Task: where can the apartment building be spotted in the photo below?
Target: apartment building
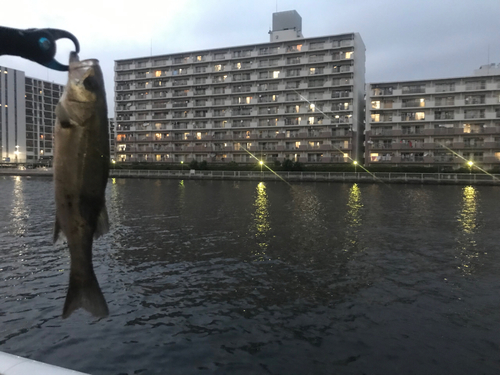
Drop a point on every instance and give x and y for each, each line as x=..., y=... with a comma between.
x=41, y=100
x=26, y=116
x=292, y=98
x=112, y=138
x=439, y=122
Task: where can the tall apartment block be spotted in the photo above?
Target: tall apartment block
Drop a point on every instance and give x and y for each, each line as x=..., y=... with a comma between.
x=292, y=98
x=26, y=116
x=440, y=122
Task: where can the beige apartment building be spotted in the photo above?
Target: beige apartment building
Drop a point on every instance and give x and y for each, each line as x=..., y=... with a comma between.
x=445, y=122
x=292, y=98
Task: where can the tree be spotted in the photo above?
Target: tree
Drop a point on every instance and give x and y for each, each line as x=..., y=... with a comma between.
x=287, y=165
x=193, y=164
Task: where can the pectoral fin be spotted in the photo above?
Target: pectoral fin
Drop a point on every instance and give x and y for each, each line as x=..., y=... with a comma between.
x=102, y=223
x=59, y=236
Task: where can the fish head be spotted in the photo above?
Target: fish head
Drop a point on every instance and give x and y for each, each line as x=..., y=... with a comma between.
x=84, y=80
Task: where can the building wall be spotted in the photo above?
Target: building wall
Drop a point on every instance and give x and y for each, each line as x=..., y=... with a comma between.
x=442, y=122
x=27, y=116
x=298, y=99
x=41, y=100
x=13, y=127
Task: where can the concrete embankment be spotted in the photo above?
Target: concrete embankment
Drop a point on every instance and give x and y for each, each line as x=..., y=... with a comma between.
x=362, y=177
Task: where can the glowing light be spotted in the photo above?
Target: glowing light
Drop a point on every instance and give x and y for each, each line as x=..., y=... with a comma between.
x=470, y=163
x=355, y=162
x=261, y=162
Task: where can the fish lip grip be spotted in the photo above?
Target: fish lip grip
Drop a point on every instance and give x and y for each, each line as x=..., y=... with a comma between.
x=38, y=45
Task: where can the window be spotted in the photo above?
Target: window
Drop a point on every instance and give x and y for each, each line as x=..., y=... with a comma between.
x=316, y=45
x=294, y=48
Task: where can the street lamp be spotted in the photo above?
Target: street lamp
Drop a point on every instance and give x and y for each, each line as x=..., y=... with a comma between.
x=261, y=162
x=182, y=164
x=470, y=163
x=355, y=165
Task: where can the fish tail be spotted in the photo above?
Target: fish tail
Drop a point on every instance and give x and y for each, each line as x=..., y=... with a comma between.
x=85, y=294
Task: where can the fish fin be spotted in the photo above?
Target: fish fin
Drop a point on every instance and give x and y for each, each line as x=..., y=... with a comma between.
x=102, y=223
x=87, y=295
x=59, y=236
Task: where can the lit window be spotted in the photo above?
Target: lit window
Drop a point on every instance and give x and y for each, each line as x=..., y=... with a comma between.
x=276, y=74
x=346, y=155
x=420, y=116
x=348, y=55
x=375, y=117
x=158, y=73
x=238, y=66
x=374, y=156
x=376, y=105
x=218, y=67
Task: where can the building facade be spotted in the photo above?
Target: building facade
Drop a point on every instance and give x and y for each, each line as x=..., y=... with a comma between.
x=12, y=115
x=41, y=100
x=439, y=122
x=293, y=98
x=27, y=116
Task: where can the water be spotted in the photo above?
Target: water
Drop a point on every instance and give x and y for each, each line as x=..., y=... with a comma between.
x=217, y=277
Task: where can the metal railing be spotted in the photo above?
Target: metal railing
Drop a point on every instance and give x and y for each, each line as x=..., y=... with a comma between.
x=388, y=177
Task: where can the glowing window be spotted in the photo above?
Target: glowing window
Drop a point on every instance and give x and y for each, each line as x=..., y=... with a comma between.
x=374, y=156
x=348, y=55
x=420, y=116
x=276, y=74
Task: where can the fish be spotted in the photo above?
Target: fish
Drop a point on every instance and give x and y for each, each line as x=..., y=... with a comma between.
x=81, y=170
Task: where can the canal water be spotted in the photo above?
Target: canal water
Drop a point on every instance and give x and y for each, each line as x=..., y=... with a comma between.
x=232, y=277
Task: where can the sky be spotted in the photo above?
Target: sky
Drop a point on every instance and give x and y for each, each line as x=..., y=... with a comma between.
x=404, y=39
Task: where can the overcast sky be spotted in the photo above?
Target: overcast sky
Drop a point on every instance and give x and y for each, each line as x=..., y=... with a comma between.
x=405, y=39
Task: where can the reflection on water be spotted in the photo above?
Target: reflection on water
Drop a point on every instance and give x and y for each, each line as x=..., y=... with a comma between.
x=19, y=213
x=352, y=283
x=467, y=217
x=469, y=210
x=261, y=220
x=353, y=217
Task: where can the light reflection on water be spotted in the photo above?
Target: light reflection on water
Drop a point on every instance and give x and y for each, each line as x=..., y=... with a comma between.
x=353, y=217
x=261, y=221
x=467, y=217
x=349, y=279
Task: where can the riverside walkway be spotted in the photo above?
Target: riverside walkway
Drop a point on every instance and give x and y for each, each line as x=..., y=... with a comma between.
x=376, y=177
